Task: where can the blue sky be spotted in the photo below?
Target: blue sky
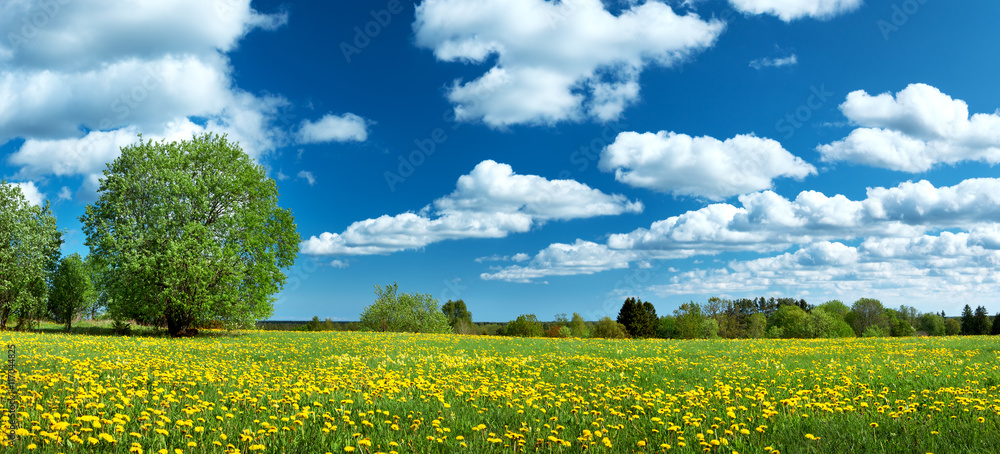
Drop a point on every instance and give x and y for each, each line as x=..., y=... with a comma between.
x=550, y=157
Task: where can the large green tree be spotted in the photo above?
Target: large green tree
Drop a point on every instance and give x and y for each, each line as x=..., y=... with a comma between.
x=72, y=291
x=868, y=315
x=29, y=252
x=403, y=312
x=189, y=232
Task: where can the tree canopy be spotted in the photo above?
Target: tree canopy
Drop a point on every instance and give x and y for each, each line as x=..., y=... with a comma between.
x=188, y=232
x=29, y=251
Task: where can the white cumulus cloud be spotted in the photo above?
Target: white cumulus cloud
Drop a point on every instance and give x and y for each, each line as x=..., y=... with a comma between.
x=80, y=79
x=490, y=202
x=333, y=128
x=789, y=10
x=920, y=270
x=706, y=167
x=581, y=257
x=913, y=131
x=887, y=220
x=555, y=61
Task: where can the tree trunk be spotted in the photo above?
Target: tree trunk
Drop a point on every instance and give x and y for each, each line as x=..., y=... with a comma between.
x=179, y=325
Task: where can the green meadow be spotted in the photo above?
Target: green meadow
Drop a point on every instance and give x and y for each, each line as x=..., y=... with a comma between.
x=304, y=392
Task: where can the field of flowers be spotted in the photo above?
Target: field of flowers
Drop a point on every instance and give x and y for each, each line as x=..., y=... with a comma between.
x=360, y=392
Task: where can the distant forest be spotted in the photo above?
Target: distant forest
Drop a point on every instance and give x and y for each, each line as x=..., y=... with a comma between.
x=777, y=318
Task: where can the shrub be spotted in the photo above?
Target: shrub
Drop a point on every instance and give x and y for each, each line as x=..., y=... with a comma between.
x=463, y=326
x=121, y=328
x=606, y=328
x=874, y=331
x=952, y=327
x=316, y=325
x=403, y=312
x=525, y=325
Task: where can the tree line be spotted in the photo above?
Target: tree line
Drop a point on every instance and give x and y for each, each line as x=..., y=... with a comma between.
x=777, y=318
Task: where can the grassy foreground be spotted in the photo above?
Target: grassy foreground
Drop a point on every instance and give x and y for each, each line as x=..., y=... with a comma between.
x=359, y=392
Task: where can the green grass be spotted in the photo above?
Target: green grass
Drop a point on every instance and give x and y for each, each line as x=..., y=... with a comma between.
x=333, y=391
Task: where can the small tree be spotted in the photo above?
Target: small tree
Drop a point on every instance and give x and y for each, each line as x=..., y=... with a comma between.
x=606, y=328
x=29, y=253
x=792, y=321
x=629, y=312
x=456, y=312
x=952, y=327
x=981, y=322
x=932, y=324
x=668, y=327
x=867, y=313
x=525, y=325
x=968, y=320
x=835, y=308
x=901, y=328
x=577, y=326
x=821, y=323
x=709, y=328
x=403, y=312
x=319, y=325
x=189, y=232
x=72, y=292
x=100, y=301
x=638, y=317
x=757, y=326
x=688, y=321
